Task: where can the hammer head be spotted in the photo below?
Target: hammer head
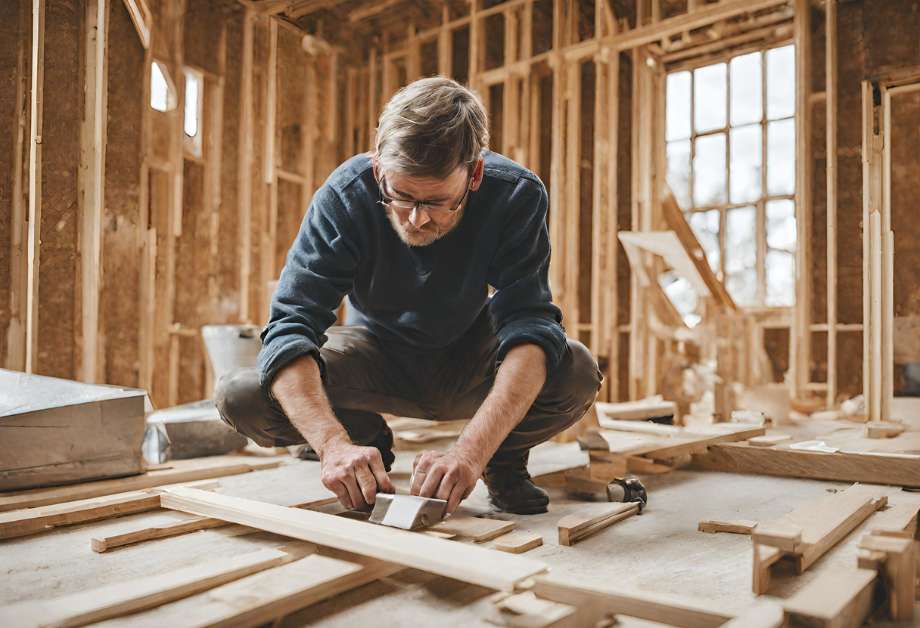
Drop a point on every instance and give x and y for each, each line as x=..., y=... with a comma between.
x=408, y=512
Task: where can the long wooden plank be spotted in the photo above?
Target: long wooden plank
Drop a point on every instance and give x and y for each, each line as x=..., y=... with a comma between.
x=78, y=609
x=840, y=466
x=179, y=471
x=574, y=527
x=269, y=595
x=468, y=563
x=640, y=604
x=18, y=523
x=105, y=543
x=680, y=444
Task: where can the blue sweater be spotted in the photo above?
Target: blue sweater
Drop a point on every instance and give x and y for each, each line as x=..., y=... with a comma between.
x=426, y=297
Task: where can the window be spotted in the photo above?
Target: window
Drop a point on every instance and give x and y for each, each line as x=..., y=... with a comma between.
x=193, y=108
x=162, y=90
x=730, y=132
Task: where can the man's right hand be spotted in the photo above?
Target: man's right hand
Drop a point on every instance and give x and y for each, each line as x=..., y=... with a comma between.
x=354, y=473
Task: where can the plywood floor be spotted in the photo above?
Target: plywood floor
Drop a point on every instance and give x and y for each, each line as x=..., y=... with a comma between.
x=659, y=551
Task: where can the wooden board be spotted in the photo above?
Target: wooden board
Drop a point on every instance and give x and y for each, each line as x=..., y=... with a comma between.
x=269, y=595
x=518, y=542
x=840, y=598
x=105, y=543
x=604, y=598
x=121, y=598
x=478, y=529
x=840, y=466
x=635, y=410
x=177, y=471
x=900, y=519
x=574, y=527
x=464, y=562
x=677, y=444
x=768, y=441
x=735, y=526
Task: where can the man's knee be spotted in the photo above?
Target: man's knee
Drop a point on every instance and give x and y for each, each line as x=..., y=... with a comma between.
x=576, y=382
x=239, y=399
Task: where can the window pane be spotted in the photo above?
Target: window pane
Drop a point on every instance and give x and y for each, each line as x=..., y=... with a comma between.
x=678, y=106
x=781, y=225
x=682, y=295
x=746, y=89
x=706, y=227
x=780, y=276
x=159, y=88
x=709, y=171
x=709, y=97
x=192, y=108
x=780, y=82
x=745, y=166
x=679, y=171
x=741, y=254
x=781, y=157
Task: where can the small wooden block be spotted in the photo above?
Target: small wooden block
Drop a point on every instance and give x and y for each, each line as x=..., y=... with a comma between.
x=476, y=528
x=883, y=429
x=577, y=526
x=518, y=542
x=784, y=537
x=738, y=526
x=839, y=598
x=768, y=441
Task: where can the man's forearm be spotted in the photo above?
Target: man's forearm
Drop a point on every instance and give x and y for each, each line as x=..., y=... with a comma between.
x=517, y=384
x=298, y=387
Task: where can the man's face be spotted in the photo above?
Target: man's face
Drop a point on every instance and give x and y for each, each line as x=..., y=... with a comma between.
x=423, y=208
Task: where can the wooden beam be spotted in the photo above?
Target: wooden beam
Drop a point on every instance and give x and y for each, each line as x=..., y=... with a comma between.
x=796, y=463
x=244, y=174
x=467, y=563
x=92, y=179
x=735, y=526
x=36, y=119
x=142, y=17
x=372, y=9
x=122, y=598
x=837, y=598
x=710, y=14
x=830, y=89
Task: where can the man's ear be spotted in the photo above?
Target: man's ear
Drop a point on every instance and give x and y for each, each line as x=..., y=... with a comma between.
x=374, y=166
x=476, y=181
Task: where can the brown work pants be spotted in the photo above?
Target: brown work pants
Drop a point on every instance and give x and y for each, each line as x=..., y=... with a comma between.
x=366, y=376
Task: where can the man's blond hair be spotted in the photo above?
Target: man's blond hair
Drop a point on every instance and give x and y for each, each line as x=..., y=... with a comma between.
x=430, y=127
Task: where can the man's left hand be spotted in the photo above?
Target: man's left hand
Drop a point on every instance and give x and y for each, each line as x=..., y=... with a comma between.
x=448, y=475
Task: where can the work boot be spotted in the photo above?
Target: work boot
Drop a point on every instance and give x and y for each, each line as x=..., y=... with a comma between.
x=512, y=490
x=383, y=441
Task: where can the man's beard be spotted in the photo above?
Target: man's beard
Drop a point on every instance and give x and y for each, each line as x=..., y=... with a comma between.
x=421, y=237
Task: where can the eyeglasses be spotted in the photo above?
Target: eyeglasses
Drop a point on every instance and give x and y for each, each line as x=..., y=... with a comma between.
x=405, y=205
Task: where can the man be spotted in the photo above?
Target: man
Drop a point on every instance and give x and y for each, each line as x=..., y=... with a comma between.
x=415, y=235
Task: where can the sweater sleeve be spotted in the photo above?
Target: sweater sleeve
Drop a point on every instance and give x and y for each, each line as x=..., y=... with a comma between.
x=522, y=307
x=319, y=271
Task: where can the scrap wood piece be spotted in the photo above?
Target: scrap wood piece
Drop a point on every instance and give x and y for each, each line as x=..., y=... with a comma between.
x=271, y=594
x=106, y=543
x=518, y=542
x=526, y=610
x=808, y=532
x=840, y=466
x=577, y=526
x=764, y=557
x=642, y=409
x=839, y=597
x=734, y=526
x=897, y=520
x=180, y=471
x=899, y=570
x=883, y=429
x=115, y=600
x=468, y=563
x=479, y=529
x=28, y=521
x=768, y=440
x=595, y=600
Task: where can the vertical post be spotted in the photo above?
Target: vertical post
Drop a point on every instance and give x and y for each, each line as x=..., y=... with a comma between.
x=244, y=194
x=557, y=209
x=35, y=182
x=830, y=91
x=801, y=357
x=92, y=178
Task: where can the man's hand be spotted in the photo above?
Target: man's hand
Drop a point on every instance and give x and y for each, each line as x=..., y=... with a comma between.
x=354, y=473
x=449, y=475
